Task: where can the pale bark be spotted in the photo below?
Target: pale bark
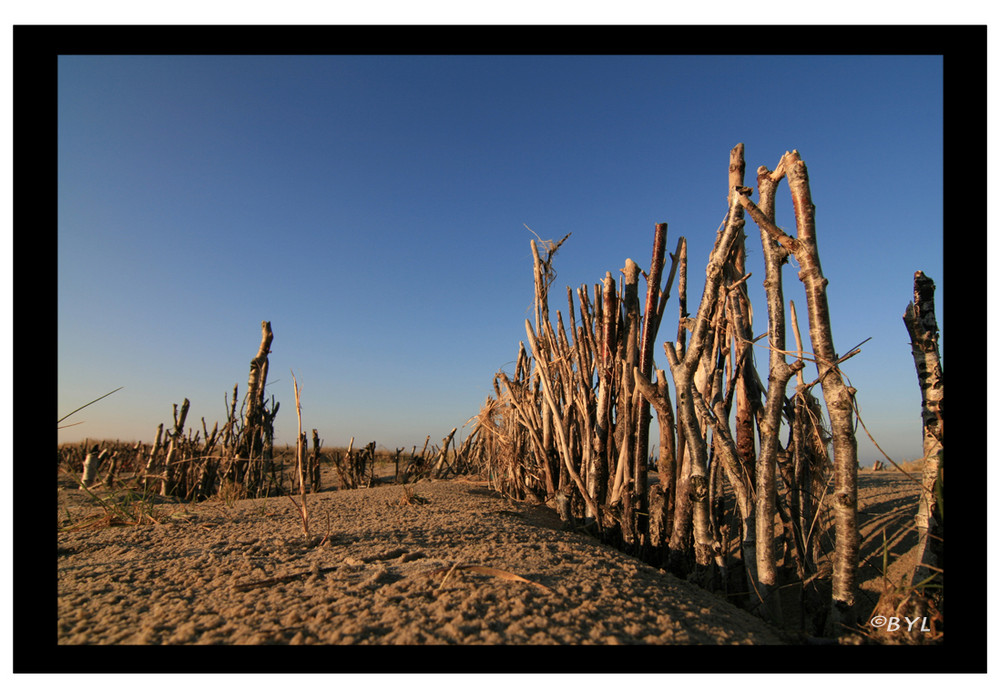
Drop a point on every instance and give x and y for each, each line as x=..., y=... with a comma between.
x=153, y=453
x=704, y=544
x=438, y=470
x=529, y=418
x=729, y=458
x=167, y=484
x=300, y=454
x=606, y=370
x=561, y=436
x=683, y=370
x=680, y=529
x=921, y=324
x=802, y=500
x=91, y=465
x=252, y=444
x=779, y=374
x=661, y=510
x=258, y=372
x=628, y=459
x=838, y=397
x=167, y=481
x=667, y=461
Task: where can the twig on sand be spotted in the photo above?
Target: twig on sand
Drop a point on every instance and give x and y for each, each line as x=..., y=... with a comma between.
x=486, y=570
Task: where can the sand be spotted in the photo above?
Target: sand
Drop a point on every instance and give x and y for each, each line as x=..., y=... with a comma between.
x=442, y=562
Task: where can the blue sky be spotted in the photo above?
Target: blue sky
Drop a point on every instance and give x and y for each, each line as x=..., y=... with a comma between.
x=374, y=209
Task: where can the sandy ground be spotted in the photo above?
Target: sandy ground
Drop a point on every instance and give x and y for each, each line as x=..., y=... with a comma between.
x=445, y=562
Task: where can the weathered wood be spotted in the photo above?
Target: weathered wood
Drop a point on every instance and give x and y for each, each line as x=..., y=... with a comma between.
x=154, y=452
x=438, y=470
x=252, y=444
x=646, y=347
x=683, y=370
x=921, y=324
x=91, y=465
x=300, y=457
x=837, y=395
x=168, y=484
x=547, y=392
x=747, y=395
x=779, y=373
x=314, y=472
x=600, y=464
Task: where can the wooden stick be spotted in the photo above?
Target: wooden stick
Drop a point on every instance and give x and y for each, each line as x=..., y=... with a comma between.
x=646, y=348
x=921, y=324
x=683, y=370
x=560, y=432
x=836, y=394
x=299, y=457
x=437, y=470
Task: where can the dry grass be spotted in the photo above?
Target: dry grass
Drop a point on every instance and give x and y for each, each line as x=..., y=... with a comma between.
x=120, y=508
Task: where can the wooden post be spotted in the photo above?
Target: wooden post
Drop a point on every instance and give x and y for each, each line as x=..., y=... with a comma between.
x=399, y=451
x=921, y=324
x=628, y=459
x=91, y=465
x=681, y=527
x=167, y=485
x=747, y=395
x=837, y=395
x=167, y=482
x=153, y=453
x=109, y=477
x=647, y=346
x=438, y=470
x=314, y=470
x=601, y=462
x=667, y=461
x=779, y=375
x=253, y=438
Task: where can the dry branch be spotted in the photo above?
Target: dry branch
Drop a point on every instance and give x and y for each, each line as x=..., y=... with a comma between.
x=838, y=397
x=560, y=429
x=921, y=324
x=647, y=345
x=571, y=424
x=300, y=452
x=683, y=369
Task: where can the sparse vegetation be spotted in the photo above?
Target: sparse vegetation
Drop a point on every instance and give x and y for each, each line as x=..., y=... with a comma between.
x=120, y=507
x=239, y=460
x=722, y=500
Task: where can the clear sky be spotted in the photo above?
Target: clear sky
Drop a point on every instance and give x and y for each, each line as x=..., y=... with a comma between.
x=374, y=209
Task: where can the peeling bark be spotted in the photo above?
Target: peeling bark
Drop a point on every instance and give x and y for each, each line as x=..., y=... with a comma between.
x=838, y=397
x=921, y=324
x=683, y=371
